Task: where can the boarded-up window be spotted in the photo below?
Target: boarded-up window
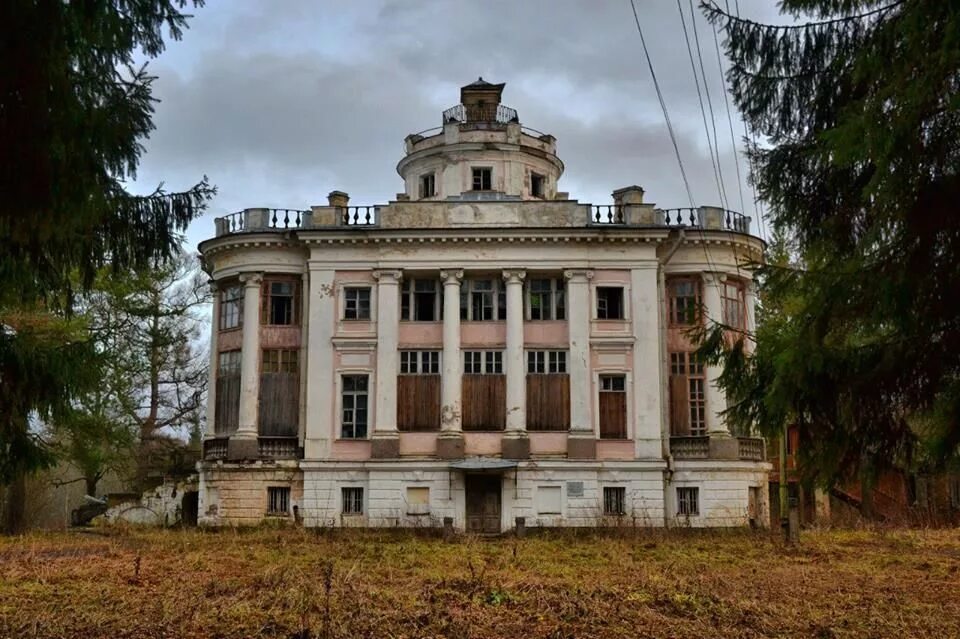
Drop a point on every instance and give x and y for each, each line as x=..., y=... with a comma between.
x=613, y=407
x=418, y=500
x=687, y=396
x=418, y=402
x=228, y=393
x=484, y=402
x=279, y=393
x=549, y=500
x=548, y=402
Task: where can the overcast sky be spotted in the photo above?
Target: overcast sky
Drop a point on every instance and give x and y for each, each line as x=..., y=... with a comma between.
x=281, y=102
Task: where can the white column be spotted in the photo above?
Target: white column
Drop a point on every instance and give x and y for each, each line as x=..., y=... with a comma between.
x=451, y=382
x=647, y=372
x=320, y=423
x=513, y=357
x=304, y=319
x=579, y=313
x=250, y=356
x=716, y=399
x=751, y=303
x=214, y=362
x=388, y=327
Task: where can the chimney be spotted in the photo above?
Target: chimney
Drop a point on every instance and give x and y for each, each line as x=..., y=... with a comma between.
x=338, y=199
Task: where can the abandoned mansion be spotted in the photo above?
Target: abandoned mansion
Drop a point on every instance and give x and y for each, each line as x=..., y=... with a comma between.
x=482, y=350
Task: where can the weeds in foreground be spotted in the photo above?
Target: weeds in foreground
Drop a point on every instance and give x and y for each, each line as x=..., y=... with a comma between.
x=296, y=583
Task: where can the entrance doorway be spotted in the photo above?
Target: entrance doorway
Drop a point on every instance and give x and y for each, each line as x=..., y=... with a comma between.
x=483, y=503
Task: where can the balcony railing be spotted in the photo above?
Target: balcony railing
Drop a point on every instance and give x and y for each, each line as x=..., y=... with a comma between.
x=690, y=447
x=494, y=113
x=279, y=447
x=748, y=448
x=752, y=448
x=359, y=215
x=215, y=449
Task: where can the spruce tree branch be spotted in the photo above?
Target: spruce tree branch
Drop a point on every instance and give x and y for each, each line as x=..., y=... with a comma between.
x=715, y=13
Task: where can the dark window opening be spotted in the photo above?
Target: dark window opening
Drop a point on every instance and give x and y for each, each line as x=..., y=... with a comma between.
x=353, y=421
x=614, y=500
x=356, y=303
x=428, y=185
x=352, y=501
x=421, y=301
x=688, y=501
x=482, y=179
x=278, y=500
x=684, y=306
x=609, y=302
x=536, y=185
x=279, y=305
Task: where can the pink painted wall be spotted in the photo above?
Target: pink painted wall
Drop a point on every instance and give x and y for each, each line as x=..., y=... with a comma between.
x=615, y=449
x=349, y=450
x=421, y=334
x=483, y=334
x=548, y=443
x=229, y=340
x=546, y=334
x=418, y=444
x=482, y=443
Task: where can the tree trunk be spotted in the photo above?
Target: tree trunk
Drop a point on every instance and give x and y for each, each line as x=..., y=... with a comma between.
x=15, y=521
x=91, y=483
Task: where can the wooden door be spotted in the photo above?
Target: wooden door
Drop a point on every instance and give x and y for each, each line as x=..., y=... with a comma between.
x=483, y=504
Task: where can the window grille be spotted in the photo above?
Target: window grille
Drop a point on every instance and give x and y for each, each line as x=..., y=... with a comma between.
x=614, y=500
x=278, y=500
x=688, y=501
x=352, y=500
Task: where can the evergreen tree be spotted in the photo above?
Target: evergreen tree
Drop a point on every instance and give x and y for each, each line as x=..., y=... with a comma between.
x=73, y=114
x=862, y=174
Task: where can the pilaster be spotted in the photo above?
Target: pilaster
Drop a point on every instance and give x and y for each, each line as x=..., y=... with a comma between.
x=450, y=440
x=214, y=369
x=319, y=422
x=385, y=441
x=516, y=444
x=581, y=443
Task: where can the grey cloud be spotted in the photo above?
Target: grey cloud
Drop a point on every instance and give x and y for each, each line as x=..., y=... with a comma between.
x=280, y=107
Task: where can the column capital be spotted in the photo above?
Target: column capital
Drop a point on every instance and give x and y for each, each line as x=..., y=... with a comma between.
x=251, y=280
x=388, y=276
x=713, y=277
x=451, y=276
x=579, y=275
x=214, y=286
x=514, y=275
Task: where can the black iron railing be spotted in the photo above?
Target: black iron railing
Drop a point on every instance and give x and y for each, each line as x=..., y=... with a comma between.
x=480, y=113
x=695, y=217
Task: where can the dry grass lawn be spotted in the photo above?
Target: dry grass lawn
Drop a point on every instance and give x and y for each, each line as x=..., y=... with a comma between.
x=295, y=583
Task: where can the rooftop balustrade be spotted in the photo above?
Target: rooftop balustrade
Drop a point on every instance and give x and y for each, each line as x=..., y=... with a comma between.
x=505, y=213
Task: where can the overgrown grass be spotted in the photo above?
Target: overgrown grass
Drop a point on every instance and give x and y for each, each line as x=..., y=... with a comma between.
x=297, y=583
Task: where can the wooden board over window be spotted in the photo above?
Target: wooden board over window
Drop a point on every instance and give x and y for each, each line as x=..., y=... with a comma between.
x=418, y=403
x=484, y=402
x=613, y=407
x=548, y=402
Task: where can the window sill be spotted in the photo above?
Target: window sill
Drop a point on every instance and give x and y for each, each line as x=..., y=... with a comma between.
x=280, y=325
x=355, y=319
x=277, y=515
x=230, y=330
x=352, y=439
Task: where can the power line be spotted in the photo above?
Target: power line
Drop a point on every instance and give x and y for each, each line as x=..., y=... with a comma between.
x=703, y=110
x=663, y=105
x=726, y=99
x=713, y=119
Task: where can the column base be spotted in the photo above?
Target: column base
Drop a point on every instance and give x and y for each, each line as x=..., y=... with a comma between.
x=242, y=448
x=515, y=445
x=385, y=446
x=581, y=446
x=450, y=445
x=724, y=446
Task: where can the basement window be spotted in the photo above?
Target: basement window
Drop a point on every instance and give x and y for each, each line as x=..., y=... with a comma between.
x=688, y=501
x=352, y=500
x=278, y=500
x=482, y=179
x=614, y=500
